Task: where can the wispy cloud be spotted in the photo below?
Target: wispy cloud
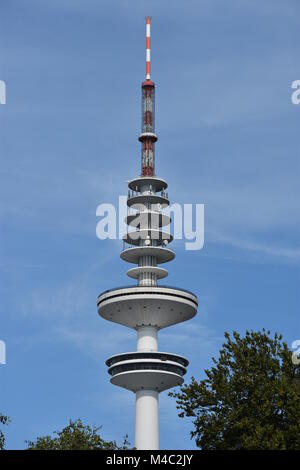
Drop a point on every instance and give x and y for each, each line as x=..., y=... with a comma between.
x=285, y=253
x=96, y=343
x=193, y=337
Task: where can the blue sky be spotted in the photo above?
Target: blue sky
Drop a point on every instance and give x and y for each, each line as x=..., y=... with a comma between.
x=228, y=138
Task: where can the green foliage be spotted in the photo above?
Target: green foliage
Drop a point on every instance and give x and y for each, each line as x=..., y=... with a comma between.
x=3, y=420
x=75, y=436
x=250, y=398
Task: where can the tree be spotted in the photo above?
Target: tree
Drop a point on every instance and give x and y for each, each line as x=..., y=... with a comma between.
x=250, y=398
x=75, y=436
x=3, y=420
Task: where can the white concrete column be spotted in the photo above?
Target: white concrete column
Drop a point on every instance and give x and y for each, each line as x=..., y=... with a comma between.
x=147, y=338
x=146, y=420
x=147, y=278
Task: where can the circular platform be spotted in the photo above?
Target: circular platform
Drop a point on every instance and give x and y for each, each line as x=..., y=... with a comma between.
x=135, y=236
x=157, y=380
x=156, y=218
x=148, y=135
x=132, y=255
x=146, y=364
x=139, y=202
x=159, y=272
x=138, y=355
x=158, y=183
x=155, y=306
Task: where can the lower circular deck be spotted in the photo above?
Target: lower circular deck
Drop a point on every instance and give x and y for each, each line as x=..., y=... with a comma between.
x=157, y=380
x=147, y=355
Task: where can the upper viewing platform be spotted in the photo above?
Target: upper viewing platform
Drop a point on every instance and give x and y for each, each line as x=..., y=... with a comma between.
x=152, y=182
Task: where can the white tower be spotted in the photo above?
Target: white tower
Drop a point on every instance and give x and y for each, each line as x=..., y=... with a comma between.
x=147, y=307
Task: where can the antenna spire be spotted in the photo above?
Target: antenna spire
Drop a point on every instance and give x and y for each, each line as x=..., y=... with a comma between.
x=148, y=21
x=148, y=136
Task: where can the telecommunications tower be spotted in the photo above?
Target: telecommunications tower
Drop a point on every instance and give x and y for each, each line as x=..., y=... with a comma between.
x=147, y=307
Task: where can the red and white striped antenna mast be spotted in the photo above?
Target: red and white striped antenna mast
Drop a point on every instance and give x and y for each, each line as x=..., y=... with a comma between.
x=148, y=136
x=148, y=21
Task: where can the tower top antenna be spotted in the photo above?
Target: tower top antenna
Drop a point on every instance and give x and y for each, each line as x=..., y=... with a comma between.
x=148, y=21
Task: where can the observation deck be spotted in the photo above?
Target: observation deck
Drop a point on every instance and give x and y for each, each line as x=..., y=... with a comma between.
x=154, y=183
x=138, y=306
x=141, y=370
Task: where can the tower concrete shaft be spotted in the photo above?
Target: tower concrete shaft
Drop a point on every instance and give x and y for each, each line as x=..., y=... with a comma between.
x=147, y=307
x=146, y=420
